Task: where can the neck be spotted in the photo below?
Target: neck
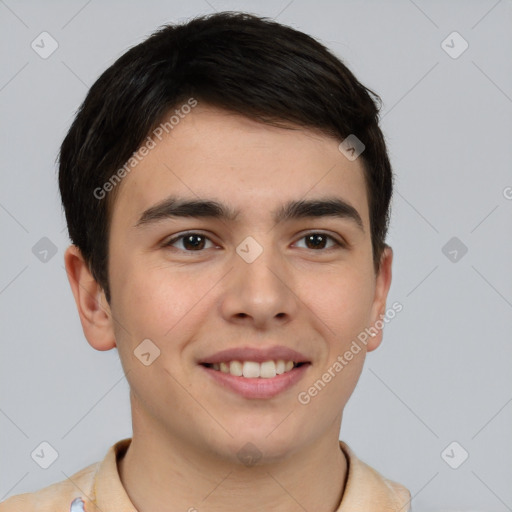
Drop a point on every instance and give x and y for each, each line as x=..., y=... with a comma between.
x=160, y=472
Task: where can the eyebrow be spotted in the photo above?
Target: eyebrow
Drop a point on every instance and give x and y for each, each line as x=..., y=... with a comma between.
x=174, y=207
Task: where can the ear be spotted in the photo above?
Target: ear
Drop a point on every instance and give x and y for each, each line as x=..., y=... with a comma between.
x=93, y=308
x=382, y=284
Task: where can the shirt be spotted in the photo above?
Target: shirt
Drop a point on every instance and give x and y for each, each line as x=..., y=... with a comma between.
x=98, y=488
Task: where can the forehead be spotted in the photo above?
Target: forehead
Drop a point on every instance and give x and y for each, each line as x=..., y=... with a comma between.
x=250, y=166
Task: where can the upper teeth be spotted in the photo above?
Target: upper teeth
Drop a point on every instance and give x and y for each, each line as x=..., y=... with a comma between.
x=252, y=369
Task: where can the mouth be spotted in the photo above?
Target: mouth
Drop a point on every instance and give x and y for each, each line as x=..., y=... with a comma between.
x=255, y=370
x=255, y=380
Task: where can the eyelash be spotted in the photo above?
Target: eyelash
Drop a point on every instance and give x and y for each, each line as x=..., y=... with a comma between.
x=338, y=244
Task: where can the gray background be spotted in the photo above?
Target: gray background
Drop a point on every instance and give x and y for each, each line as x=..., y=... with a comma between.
x=443, y=371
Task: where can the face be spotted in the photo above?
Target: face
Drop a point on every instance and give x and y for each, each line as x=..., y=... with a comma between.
x=266, y=282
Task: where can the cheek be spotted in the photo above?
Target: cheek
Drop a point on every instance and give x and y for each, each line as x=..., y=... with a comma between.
x=329, y=390
x=341, y=299
x=150, y=301
x=158, y=306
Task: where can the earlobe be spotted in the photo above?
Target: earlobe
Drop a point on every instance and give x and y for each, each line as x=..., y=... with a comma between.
x=382, y=285
x=93, y=309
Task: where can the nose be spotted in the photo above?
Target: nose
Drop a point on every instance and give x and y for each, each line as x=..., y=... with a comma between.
x=261, y=293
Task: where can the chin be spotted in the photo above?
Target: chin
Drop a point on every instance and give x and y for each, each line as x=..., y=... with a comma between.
x=262, y=445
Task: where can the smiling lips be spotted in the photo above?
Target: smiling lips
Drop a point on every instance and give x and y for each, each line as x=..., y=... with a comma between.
x=256, y=373
x=253, y=369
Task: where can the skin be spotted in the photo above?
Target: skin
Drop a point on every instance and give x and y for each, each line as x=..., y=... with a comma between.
x=187, y=430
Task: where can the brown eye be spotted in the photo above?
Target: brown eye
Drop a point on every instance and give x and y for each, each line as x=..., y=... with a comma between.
x=194, y=242
x=319, y=241
x=190, y=242
x=316, y=241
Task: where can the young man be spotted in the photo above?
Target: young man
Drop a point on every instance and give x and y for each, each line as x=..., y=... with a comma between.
x=226, y=188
